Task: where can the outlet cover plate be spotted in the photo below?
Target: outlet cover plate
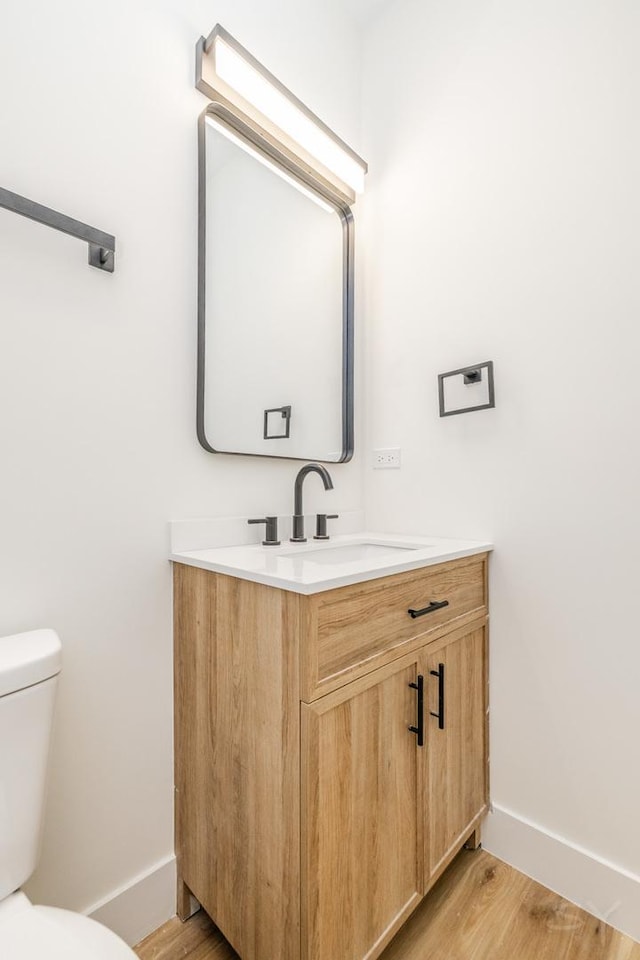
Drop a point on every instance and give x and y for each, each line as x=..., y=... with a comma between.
x=388, y=459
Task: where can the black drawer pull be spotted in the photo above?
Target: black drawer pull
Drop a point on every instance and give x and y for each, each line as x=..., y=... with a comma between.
x=439, y=673
x=419, y=730
x=434, y=605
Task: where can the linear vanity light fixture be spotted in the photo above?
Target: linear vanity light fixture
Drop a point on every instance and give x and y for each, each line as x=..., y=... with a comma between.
x=261, y=158
x=245, y=76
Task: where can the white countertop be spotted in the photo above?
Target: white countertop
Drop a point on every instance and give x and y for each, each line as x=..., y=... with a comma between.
x=301, y=568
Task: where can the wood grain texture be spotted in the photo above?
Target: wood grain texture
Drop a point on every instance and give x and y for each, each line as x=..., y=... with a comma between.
x=320, y=852
x=186, y=903
x=354, y=629
x=197, y=939
x=361, y=816
x=480, y=909
x=237, y=757
x=456, y=758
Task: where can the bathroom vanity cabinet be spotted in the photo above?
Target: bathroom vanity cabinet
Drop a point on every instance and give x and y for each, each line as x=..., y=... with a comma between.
x=314, y=805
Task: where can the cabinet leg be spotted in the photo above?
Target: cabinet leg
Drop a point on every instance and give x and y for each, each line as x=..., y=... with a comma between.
x=473, y=842
x=187, y=904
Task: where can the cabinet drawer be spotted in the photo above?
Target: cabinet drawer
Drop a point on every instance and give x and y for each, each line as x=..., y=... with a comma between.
x=354, y=629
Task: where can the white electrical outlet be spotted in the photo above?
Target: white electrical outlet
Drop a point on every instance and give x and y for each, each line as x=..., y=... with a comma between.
x=386, y=459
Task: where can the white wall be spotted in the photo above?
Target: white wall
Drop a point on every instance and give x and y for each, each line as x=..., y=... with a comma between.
x=97, y=387
x=501, y=213
x=502, y=219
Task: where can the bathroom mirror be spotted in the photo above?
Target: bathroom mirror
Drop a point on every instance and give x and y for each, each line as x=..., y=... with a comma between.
x=275, y=303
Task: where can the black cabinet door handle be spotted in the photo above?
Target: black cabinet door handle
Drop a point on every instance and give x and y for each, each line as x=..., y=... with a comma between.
x=439, y=673
x=419, y=730
x=434, y=605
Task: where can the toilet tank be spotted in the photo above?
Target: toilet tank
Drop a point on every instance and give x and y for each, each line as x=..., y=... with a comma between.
x=29, y=665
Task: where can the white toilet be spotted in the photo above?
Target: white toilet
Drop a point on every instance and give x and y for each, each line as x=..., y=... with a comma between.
x=29, y=668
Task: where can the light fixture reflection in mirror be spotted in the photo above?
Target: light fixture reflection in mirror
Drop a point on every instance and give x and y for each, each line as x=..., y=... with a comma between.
x=260, y=157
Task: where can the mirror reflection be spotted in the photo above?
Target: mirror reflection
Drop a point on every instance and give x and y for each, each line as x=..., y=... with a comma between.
x=275, y=292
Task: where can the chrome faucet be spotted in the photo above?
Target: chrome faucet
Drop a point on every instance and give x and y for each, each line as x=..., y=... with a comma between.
x=298, y=515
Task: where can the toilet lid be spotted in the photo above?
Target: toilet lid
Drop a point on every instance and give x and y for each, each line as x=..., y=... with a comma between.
x=46, y=933
x=26, y=935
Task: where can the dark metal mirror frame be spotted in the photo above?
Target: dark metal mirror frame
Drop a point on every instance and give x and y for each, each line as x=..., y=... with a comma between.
x=282, y=158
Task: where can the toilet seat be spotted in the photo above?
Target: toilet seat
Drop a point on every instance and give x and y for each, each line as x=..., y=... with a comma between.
x=30, y=932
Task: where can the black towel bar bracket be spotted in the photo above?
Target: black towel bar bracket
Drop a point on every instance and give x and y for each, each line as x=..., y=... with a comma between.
x=102, y=246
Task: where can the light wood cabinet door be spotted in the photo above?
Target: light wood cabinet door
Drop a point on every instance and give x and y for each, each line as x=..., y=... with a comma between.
x=456, y=762
x=361, y=829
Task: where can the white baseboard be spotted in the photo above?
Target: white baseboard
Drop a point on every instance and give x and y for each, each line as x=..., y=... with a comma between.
x=607, y=891
x=141, y=906
x=604, y=889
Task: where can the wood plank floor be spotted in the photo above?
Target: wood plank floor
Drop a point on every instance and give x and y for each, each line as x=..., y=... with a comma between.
x=481, y=909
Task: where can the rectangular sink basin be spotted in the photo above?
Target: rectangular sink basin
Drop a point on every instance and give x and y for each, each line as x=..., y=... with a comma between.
x=349, y=553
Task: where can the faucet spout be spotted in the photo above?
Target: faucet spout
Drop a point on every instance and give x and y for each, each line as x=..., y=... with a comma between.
x=298, y=513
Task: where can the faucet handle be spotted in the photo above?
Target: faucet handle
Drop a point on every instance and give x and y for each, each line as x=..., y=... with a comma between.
x=321, y=525
x=271, y=531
